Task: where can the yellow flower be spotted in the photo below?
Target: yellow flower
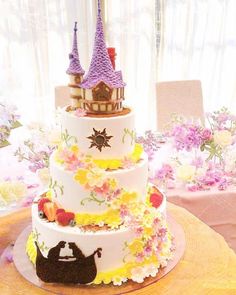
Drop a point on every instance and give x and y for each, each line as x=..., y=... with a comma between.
x=138, y=150
x=148, y=231
x=223, y=138
x=49, y=194
x=74, y=149
x=95, y=177
x=113, y=183
x=81, y=176
x=136, y=246
x=186, y=172
x=108, y=164
x=128, y=197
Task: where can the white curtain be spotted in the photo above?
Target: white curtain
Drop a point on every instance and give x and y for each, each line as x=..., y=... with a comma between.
x=130, y=28
x=35, y=40
x=198, y=41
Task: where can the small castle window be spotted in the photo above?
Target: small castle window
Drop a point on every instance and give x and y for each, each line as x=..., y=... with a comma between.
x=102, y=92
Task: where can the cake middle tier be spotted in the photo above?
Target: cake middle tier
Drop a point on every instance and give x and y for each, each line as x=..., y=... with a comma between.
x=70, y=190
x=101, y=137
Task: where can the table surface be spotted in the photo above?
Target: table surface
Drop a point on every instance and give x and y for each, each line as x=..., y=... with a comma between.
x=207, y=267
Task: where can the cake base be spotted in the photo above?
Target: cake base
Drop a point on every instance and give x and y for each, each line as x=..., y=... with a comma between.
x=27, y=270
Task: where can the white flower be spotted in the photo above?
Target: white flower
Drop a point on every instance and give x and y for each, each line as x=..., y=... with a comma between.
x=186, y=172
x=223, y=138
x=54, y=137
x=117, y=280
x=151, y=270
x=137, y=274
x=230, y=160
x=44, y=175
x=96, y=177
x=12, y=190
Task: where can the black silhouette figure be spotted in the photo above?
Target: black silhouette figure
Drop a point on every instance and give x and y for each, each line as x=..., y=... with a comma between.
x=54, y=253
x=77, y=253
x=79, y=271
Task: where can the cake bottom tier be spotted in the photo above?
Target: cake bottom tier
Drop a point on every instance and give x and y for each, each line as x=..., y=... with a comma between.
x=101, y=256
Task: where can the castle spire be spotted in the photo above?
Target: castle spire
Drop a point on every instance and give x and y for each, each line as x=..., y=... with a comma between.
x=75, y=66
x=101, y=68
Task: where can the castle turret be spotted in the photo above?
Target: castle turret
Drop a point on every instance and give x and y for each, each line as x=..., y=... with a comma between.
x=75, y=72
x=102, y=86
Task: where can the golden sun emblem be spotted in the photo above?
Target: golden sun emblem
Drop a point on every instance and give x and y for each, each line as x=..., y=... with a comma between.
x=99, y=139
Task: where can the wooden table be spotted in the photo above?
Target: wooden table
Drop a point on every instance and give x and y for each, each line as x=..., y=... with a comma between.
x=208, y=265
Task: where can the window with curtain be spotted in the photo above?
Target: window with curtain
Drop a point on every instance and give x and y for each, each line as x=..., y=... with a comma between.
x=35, y=40
x=198, y=41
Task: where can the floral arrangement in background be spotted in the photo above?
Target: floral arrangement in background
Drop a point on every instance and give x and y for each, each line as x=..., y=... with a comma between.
x=8, y=121
x=37, y=149
x=11, y=190
x=150, y=142
x=202, y=157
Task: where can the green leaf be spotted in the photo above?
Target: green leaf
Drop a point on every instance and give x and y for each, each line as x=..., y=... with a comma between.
x=16, y=124
x=4, y=143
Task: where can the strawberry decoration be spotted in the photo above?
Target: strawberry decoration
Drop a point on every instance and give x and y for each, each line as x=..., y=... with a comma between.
x=41, y=203
x=65, y=218
x=156, y=199
x=60, y=210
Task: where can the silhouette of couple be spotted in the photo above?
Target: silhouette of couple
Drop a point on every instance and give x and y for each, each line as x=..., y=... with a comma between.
x=54, y=253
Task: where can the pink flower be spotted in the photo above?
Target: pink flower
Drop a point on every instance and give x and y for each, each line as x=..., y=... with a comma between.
x=139, y=231
x=148, y=250
x=140, y=257
x=206, y=134
x=123, y=211
x=80, y=112
x=165, y=172
x=103, y=189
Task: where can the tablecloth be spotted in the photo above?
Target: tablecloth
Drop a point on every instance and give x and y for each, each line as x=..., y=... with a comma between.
x=207, y=267
x=215, y=208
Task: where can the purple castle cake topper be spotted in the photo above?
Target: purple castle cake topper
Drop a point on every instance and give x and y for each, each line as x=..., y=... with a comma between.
x=101, y=68
x=75, y=66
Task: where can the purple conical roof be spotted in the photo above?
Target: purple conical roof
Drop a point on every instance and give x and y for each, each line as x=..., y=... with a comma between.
x=101, y=68
x=75, y=66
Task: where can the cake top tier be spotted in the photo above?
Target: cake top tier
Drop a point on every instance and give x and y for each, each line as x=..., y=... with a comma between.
x=75, y=66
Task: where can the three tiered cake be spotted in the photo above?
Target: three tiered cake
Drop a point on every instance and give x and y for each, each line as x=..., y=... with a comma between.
x=100, y=220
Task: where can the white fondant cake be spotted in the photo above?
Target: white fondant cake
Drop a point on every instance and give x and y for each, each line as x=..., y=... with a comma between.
x=120, y=128
x=100, y=221
x=133, y=179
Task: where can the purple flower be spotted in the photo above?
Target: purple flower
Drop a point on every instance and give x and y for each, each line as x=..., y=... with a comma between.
x=186, y=136
x=223, y=184
x=197, y=162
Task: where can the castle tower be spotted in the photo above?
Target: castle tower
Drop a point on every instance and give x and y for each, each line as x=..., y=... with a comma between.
x=103, y=86
x=75, y=72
